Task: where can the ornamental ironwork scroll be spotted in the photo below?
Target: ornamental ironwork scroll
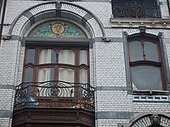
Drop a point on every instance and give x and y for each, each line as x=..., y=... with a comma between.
x=54, y=94
x=135, y=9
x=57, y=29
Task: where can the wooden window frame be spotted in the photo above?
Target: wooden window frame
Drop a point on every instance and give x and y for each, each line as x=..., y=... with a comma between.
x=142, y=39
x=57, y=99
x=76, y=67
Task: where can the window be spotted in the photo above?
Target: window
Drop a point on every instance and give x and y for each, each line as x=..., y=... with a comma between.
x=145, y=61
x=135, y=8
x=56, y=61
x=61, y=67
x=69, y=64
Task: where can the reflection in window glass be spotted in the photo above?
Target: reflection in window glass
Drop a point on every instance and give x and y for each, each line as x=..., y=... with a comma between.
x=28, y=75
x=67, y=57
x=135, y=50
x=47, y=56
x=83, y=56
x=151, y=55
x=146, y=78
x=30, y=56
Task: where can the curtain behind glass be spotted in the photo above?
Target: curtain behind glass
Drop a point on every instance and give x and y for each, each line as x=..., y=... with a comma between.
x=45, y=74
x=83, y=57
x=67, y=57
x=83, y=76
x=47, y=56
x=66, y=89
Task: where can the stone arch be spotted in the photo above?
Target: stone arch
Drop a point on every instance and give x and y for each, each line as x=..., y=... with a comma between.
x=60, y=10
x=150, y=120
x=51, y=10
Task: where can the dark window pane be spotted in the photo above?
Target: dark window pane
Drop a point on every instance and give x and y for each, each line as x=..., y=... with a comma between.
x=135, y=50
x=47, y=56
x=151, y=52
x=30, y=56
x=135, y=8
x=28, y=75
x=151, y=8
x=0, y=7
x=146, y=78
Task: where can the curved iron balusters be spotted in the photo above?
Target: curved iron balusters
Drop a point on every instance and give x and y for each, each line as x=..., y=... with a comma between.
x=135, y=9
x=54, y=94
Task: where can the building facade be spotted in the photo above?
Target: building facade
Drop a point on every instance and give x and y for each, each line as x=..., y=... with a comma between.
x=85, y=63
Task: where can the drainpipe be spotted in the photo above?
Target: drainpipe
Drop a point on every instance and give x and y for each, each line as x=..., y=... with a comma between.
x=2, y=14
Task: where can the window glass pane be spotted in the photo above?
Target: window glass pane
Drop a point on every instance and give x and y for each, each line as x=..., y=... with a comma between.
x=135, y=50
x=30, y=56
x=66, y=74
x=47, y=56
x=151, y=52
x=66, y=89
x=83, y=76
x=28, y=75
x=146, y=78
x=135, y=8
x=83, y=57
x=67, y=57
x=45, y=74
x=151, y=8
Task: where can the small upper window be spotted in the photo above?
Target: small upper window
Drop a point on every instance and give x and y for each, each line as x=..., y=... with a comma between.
x=146, y=67
x=135, y=8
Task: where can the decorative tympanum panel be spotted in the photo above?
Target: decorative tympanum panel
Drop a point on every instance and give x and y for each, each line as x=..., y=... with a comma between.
x=57, y=29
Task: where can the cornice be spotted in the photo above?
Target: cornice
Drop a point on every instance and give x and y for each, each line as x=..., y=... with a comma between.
x=136, y=22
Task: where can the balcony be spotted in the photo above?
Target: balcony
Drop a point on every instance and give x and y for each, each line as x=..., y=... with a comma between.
x=53, y=103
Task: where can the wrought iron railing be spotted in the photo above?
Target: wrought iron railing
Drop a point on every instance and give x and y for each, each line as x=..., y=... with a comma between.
x=135, y=9
x=54, y=94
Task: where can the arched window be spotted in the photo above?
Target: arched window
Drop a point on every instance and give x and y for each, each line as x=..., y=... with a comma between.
x=145, y=61
x=150, y=120
x=56, y=58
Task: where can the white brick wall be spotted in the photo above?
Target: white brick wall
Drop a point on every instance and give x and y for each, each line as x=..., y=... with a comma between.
x=110, y=64
x=5, y=122
x=101, y=10
x=16, y=7
x=117, y=101
x=8, y=59
x=111, y=122
x=5, y=99
x=107, y=64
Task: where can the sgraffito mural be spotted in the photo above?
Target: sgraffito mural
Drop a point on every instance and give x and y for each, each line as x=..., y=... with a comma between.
x=57, y=29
